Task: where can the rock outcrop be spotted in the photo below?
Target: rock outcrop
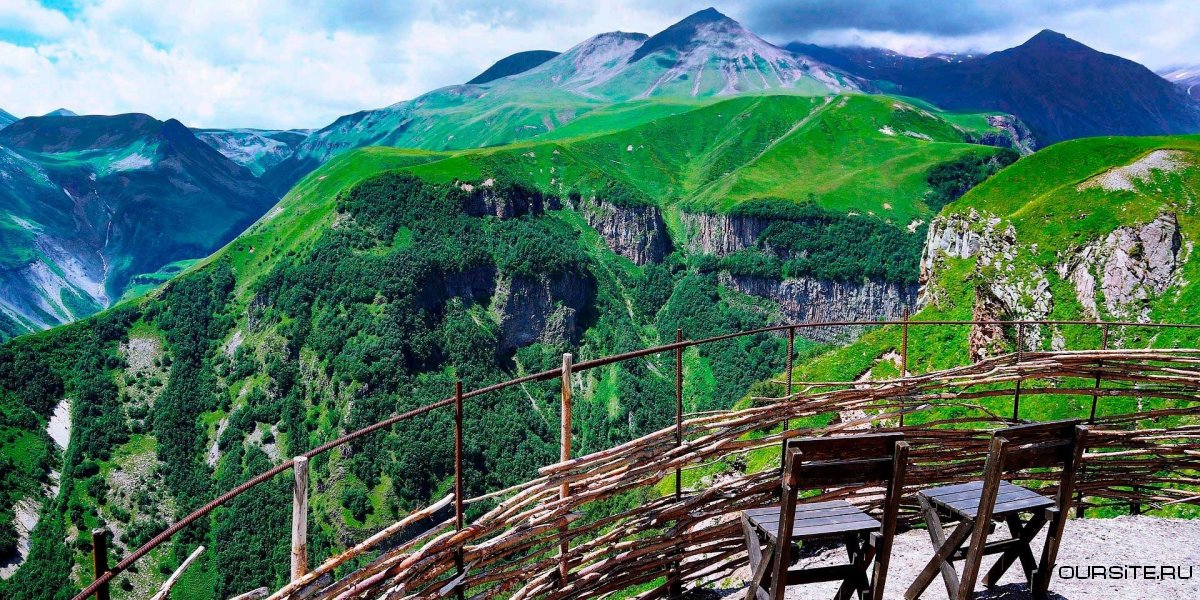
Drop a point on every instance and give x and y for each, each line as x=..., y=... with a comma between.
x=543, y=309
x=1129, y=267
x=807, y=299
x=635, y=232
x=721, y=234
x=1020, y=289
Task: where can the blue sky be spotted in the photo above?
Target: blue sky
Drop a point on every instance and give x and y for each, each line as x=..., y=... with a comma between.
x=303, y=63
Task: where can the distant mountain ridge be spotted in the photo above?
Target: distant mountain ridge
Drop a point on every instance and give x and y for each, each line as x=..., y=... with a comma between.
x=705, y=55
x=6, y=118
x=255, y=149
x=1061, y=88
x=87, y=204
x=513, y=64
x=1187, y=78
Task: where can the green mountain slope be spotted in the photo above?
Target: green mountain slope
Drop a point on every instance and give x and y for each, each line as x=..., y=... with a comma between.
x=1085, y=229
x=706, y=55
x=387, y=274
x=89, y=203
x=6, y=118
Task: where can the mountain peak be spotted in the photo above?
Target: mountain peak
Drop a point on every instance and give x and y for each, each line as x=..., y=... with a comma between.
x=708, y=15
x=691, y=31
x=61, y=112
x=1050, y=39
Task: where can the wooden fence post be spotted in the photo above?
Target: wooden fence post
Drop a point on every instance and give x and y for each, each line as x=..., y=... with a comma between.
x=903, y=360
x=565, y=455
x=300, y=517
x=100, y=559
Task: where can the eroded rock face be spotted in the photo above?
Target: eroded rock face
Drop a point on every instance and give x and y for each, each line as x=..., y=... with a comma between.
x=635, y=232
x=722, y=234
x=544, y=309
x=1019, y=291
x=807, y=299
x=1128, y=267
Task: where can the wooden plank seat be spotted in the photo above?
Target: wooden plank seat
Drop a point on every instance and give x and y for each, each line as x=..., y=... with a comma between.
x=976, y=505
x=827, y=462
x=962, y=500
x=817, y=520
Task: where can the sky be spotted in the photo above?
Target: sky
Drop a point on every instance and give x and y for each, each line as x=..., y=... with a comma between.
x=303, y=63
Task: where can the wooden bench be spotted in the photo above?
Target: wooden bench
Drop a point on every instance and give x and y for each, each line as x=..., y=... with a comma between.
x=976, y=505
x=812, y=463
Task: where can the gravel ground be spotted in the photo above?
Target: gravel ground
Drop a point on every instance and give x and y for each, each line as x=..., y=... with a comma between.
x=1129, y=540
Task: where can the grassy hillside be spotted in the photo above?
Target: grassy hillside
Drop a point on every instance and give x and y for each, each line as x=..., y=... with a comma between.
x=1057, y=206
x=380, y=279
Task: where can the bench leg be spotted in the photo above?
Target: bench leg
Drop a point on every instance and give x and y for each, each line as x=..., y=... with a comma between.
x=937, y=537
x=759, y=561
x=1024, y=532
x=1041, y=578
x=860, y=555
x=941, y=561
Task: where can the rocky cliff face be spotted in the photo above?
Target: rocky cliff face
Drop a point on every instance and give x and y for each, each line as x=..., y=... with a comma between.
x=807, y=299
x=544, y=309
x=1011, y=288
x=1129, y=267
x=1114, y=276
x=635, y=232
x=721, y=234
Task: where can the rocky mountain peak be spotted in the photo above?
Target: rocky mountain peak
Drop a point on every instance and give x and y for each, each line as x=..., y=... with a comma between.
x=705, y=28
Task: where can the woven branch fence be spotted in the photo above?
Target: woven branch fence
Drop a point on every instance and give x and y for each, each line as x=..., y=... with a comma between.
x=534, y=541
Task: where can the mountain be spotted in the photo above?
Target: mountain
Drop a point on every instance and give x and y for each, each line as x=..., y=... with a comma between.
x=255, y=149
x=1187, y=78
x=704, y=56
x=60, y=112
x=6, y=118
x=94, y=206
x=388, y=273
x=513, y=64
x=1060, y=88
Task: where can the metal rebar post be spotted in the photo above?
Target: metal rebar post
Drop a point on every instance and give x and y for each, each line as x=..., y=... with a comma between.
x=1017, y=390
x=100, y=559
x=903, y=360
x=458, y=476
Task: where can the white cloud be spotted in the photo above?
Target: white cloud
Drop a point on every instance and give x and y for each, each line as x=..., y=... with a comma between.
x=31, y=17
x=278, y=63
x=303, y=63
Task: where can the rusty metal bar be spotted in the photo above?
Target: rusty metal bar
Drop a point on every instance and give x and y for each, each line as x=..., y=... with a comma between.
x=903, y=359
x=1099, y=364
x=100, y=560
x=564, y=566
x=678, y=409
x=1017, y=388
x=676, y=589
x=458, y=477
